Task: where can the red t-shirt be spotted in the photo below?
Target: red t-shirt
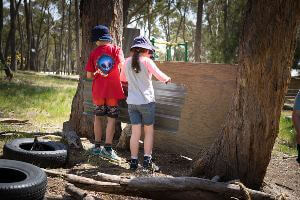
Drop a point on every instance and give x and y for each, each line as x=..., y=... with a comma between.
x=103, y=62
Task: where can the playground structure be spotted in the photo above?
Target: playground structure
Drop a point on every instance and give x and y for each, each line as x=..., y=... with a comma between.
x=169, y=46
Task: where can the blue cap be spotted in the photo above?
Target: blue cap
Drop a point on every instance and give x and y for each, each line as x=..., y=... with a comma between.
x=100, y=32
x=142, y=42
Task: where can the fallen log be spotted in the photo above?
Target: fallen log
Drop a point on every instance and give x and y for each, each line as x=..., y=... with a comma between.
x=164, y=187
x=13, y=121
x=53, y=197
x=78, y=193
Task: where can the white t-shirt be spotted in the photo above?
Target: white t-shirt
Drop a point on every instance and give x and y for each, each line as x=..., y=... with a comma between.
x=140, y=88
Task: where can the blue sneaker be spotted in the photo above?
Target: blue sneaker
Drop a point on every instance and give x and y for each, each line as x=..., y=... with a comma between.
x=110, y=154
x=97, y=151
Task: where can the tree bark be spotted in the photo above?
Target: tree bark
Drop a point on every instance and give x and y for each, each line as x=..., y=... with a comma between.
x=111, y=16
x=243, y=148
x=198, y=32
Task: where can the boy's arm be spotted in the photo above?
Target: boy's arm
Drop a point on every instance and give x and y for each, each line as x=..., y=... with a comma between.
x=90, y=68
x=90, y=75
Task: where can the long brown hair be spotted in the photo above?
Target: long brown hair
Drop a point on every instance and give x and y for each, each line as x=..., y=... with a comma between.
x=135, y=58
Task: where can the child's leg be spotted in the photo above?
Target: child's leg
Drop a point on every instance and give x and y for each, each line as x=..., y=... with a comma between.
x=110, y=130
x=148, y=141
x=97, y=130
x=112, y=114
x=148, y=112
x=134, y=140
x=99, y=111
x=136, y=128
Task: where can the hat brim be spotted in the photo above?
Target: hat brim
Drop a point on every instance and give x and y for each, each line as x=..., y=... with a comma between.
x=105, y=38
x=149, y=47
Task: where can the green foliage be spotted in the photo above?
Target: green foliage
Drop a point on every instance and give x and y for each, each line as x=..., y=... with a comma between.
x=38, y=98
x=174, y=21
x=220, y=44
x=286, y=141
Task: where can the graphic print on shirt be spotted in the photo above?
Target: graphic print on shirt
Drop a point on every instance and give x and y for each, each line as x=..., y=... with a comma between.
x=104, y=64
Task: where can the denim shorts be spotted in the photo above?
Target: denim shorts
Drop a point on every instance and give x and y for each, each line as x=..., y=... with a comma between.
x=142, y=114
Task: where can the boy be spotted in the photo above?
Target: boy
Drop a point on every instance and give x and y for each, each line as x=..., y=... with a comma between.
x=103, y=67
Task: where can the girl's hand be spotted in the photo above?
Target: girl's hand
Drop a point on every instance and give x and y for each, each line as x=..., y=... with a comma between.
x=168, y=81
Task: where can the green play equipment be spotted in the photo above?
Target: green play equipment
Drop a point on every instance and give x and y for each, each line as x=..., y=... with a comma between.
x=169, y=46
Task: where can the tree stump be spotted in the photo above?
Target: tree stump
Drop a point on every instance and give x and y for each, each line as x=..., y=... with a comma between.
x=124, y=141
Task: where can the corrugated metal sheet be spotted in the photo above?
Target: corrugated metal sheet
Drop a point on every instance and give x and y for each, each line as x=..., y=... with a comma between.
x=169, y=102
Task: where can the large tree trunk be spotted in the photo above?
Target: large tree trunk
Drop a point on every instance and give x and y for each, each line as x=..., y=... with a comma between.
x=198, y=31
x=243, y=149
x=90, y=16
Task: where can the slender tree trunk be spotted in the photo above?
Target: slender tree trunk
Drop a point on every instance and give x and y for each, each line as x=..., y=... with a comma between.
x=168, y=22
x=184, y=22
x=77, y=36
x=33, y=49
x=21, y=41
x=243, y=149
x=6, y=68
x=38, y=39
x=55, y=54
x=225, y=39
x=126, y=4
x=113, y=17
x=198, y=36
x=28, y=31
x=13, y=35
x=150, y=9
x=47, y=41
x=59, y=58
x=69, y=38
x=179, y=25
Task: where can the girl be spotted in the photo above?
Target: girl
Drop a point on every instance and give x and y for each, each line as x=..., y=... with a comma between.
x=138, y=70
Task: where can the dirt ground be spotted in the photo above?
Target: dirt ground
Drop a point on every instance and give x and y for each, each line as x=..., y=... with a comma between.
x=282, y=178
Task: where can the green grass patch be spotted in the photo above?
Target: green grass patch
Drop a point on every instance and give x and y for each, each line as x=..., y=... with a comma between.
x=286, y=141
x=41, y=99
